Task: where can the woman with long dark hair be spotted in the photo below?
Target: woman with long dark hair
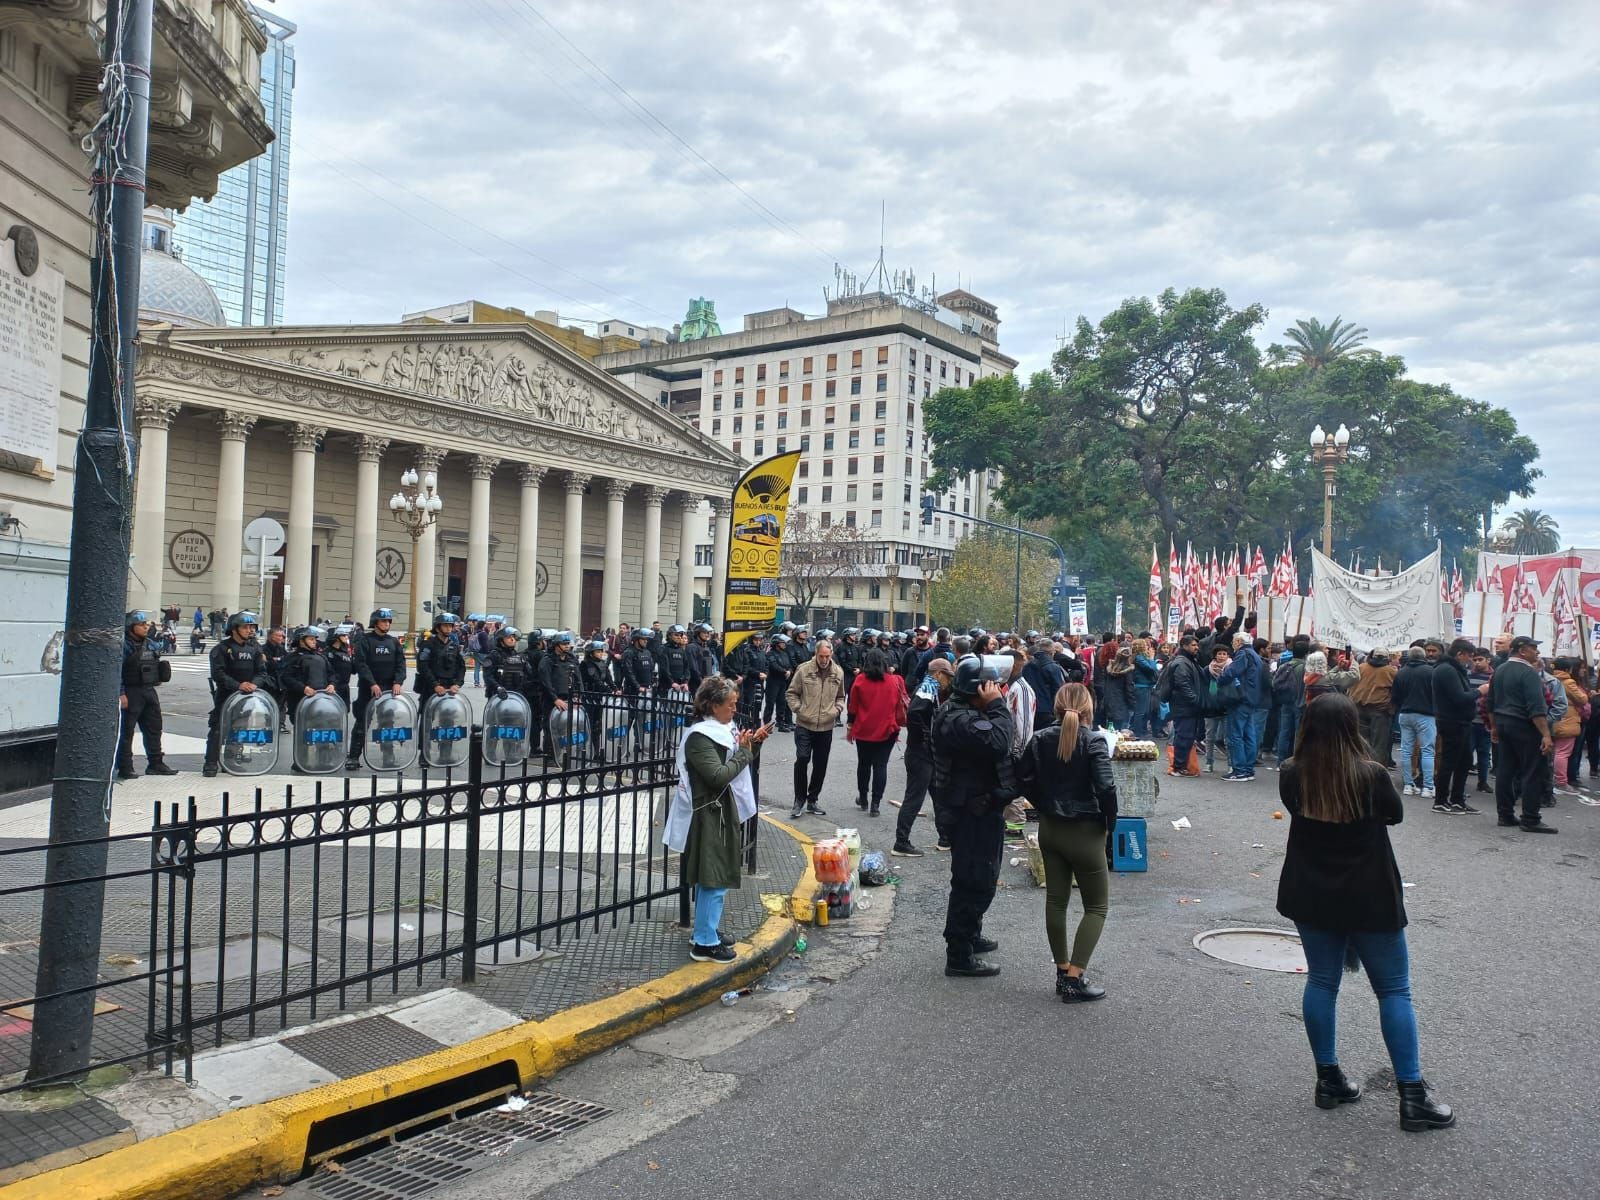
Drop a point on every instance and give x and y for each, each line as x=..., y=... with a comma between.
x=1065, y=772
x=1341, y=887
x=876, y=710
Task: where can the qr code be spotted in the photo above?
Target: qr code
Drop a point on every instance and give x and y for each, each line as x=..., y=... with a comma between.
x=769, y=587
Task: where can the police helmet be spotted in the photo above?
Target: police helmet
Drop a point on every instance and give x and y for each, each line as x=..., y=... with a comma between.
x=850, y=631
x=1033, y=635
x=976, y=631
x=445, y=618
x=508, y=631
x=705, y=627
x=476, y=617
x=869, y=634
x=139, y=617
x=240, y=619
x=308, y=631
x=786, y=627
x=646, y=634
x=824, y=633
x=972, y=671
x=674, y=629
x=598, y=644
x=780, y=639
x=559, y=637
x=380, y=614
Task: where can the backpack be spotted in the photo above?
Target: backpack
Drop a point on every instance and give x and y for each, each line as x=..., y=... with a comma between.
x=1163, y=688
x=1286, y=683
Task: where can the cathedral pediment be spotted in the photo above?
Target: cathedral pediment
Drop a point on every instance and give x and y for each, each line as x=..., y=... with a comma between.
x=487, y=370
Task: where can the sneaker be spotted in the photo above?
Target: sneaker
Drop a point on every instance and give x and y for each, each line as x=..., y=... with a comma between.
x=1442, y=806
x=1464, y=809
x=905, y=850
x=717, y=954
x=1408, y=790
x=1427, y=793
x=797, y=812
x=942, y=845
x=1591, y=801
x=815, y=811
x=1484, y=787
x=971, y=968
x=1537, y=827
x=130, y=773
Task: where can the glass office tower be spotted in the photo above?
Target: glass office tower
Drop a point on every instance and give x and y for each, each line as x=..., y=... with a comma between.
x=239, y=241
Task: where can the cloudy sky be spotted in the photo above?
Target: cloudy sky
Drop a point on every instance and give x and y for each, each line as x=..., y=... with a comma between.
x=1429, y=171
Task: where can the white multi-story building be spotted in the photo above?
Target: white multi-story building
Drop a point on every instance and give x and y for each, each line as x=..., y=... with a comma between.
x=847, y=390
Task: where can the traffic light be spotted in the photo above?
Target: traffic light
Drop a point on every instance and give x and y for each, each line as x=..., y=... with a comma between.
x=927, y=510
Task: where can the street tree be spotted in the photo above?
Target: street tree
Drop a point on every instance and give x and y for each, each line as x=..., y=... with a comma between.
x=814, y=555
x=1315, y=345
x=1530, y=531
x=980, y=585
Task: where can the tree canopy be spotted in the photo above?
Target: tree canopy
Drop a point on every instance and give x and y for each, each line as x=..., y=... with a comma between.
x=1163, y=420
x=1529, y=531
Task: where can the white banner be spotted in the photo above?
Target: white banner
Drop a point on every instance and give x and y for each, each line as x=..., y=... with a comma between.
x=1366, y=613
x=1482, y=616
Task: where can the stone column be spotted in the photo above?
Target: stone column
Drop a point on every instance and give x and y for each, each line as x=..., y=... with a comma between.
x=154, y=418
x=228, y=535
x=427, y=545
x=364, y=545
x=481, y=468
x=611, y=583
x=302, y=511
x=722, y=509
x=688, y=530
x=648, y=602
x=531, y=476
x=572, y=555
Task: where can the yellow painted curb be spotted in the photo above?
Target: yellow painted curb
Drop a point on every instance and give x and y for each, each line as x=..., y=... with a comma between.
x=266, y=1142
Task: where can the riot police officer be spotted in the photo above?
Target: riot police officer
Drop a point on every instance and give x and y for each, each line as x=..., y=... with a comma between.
x=380, y=665
x=558, y=676
x=441, y=667
x=142, y=672
x=238, y=664
x=748, y=664
x=507, y=666
x=972, y=783
x=800, y=645
x=847, y=653
x=341, y=658
x=780, y=665
x=703, y=662
x=276, y=648
x=639, y=665
x=673, y=668
x=306, y=669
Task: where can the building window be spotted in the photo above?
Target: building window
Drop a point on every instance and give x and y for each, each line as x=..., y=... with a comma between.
x=738, y=400
x=850, y=518
x=855, y=412
x=855, y=439
x=853, y=466
x=908, y=469
x=805, y=469
x=883, y=354
x=877, y=464
x=803, y=493
x=855, y=386
x=927, y=362
x=825, y=520
x=905, y=522
x=966, y=505
x=716, y=427
x=738, y=424
x=761, y=372
x=942, y=368
x=760, y=447
x=716, y=378
x=833, y=362
x=924, y=469
x=881, y=410
x=828, y=415
x=783, y=395
x=877, y=491
x=805, y=366
x=971, y=379
x=875, y=590
x=805, y=392
x=761, y=396
x=911, y=412
x=927, y=389
x=855, y=359
x=913, y=359
x=883, y=383
x=878, y=436
x=783, y=369
x=827, y=493
x=831, y=389
x=738, y=446
x=805, y=417
x=850, y=493
x=877, y=517
x=761, y=422
x=827, y=441
x=738, y=374
x=850, y=594
x=911, y=385
x=827, y=468
x=783, y=445
x=783, y=420
x=805, y=441
x=907, y=496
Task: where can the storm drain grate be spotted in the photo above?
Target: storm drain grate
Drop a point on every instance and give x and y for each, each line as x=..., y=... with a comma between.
x=420, y=1164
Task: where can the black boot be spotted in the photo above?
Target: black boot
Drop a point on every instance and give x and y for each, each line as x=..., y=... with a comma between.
x=983, y=945
x=1075, y=989
x=1334, y=1087
x=1419, y=1110
x=158, y=768
x=974, y=968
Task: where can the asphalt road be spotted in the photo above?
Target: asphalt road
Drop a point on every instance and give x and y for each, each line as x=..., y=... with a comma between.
x=876, y=1075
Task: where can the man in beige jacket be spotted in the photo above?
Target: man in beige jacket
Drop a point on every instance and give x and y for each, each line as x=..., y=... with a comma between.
x=816, y=697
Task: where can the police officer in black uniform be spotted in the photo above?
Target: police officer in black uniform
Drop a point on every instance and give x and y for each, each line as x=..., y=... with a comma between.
x=143, y=671
x=748, y=664
x=673, y=669
x=639, y=665
x=508, y=667
x=597, y=677
x=441, y=667
x=800, y=650
x=341, y=658
x=703, y=660
x=306, y=669
x=558, y=676
x=380, y=664
x=972, y=783
x=780, y=665
x=238, y=664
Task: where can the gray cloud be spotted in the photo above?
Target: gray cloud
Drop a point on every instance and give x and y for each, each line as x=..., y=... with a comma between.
x=1427, y=170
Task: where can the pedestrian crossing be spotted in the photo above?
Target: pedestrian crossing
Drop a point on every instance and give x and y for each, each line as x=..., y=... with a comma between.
x=189, y=664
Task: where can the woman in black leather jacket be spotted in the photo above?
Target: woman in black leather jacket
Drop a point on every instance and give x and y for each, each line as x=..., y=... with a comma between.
x=1065, y=772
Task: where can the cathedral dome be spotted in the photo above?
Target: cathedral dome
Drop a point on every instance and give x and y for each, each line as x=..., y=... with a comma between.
x=169, y=290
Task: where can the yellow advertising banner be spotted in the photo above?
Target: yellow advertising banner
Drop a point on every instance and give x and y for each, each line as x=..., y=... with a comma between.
x=760, y=514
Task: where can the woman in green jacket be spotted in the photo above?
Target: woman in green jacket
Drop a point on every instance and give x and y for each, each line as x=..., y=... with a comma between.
x=714, y=787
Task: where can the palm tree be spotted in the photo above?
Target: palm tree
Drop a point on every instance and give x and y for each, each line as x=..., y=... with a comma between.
x=1529, y=531
x=1316, y=345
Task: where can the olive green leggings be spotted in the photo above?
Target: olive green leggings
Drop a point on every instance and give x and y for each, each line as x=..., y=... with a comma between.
x=1074, y=849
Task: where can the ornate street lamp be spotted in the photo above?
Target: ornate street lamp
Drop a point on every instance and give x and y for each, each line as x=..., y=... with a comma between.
x=416, y=506
x=1328, y=452
x=891, y=571
x=928, y=567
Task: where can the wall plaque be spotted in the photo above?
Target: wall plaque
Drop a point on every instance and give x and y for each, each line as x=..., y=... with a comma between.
x=190, y=553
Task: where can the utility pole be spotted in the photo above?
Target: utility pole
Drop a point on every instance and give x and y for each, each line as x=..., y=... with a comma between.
x=97, y=577
x=1016, y=613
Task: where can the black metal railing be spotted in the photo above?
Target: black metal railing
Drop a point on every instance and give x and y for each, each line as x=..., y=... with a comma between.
x=254, y=915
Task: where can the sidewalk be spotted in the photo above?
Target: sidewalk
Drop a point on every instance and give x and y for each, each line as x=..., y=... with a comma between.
x=265, y=1108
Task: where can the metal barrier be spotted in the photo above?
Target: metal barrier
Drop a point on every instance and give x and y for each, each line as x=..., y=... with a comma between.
x=265, y=916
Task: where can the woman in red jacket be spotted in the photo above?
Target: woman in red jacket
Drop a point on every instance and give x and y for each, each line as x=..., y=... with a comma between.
x=877, y=710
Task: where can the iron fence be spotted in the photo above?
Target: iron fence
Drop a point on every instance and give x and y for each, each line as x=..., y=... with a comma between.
x=235, y=915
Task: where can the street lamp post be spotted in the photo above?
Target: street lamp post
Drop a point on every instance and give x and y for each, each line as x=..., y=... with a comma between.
x=926, y=567
x=416, y=506
x=891, y=571
x=1328, y=452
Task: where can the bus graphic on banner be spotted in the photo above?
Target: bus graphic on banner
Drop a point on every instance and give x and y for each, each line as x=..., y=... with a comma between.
x=755, y=549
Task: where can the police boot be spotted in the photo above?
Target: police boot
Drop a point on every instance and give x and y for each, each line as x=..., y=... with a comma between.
x=159, y=767
x=1334, y=1087
x=1419, y=1110
x=210, y=770
x=971, y=967
x=126, y=771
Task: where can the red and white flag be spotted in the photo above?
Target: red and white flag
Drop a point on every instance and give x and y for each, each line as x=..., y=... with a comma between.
x=1157, y=625
x=1566, y=616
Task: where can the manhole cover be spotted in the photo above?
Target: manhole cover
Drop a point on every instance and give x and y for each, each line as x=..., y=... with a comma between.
x=1260, y=949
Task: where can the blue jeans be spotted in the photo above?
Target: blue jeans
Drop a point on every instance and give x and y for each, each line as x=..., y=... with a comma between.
x=1288, y=726
x=708, y=914
x=1140, y=722
x=1388, y=969
x=1242, y=740
x=1483, y=747
x=1415, y=728
x=1258, y=721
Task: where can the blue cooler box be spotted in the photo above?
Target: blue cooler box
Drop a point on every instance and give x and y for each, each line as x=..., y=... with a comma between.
x=1130, y=847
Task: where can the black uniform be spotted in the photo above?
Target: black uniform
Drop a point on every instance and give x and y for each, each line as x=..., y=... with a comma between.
x=303, y=669
x=558, y=675
x=848, y=655
x=673, y=669
x=800, y=652
x=440, y=663
x=232, y=663
x=972, y=783
x=638, y=670
x=142, y=670
x=780, y=665
x=747, y=664
x=380, y=661
x=703, y=663
x=511, y=669
x=343, y=664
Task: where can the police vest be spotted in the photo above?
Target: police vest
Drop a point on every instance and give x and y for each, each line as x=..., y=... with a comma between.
x=141, y=665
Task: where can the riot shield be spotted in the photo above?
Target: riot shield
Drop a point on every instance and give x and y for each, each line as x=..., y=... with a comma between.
x=507, y=729
x=248, y=731
x=321, y=727
x=446, y=730
x=391, y=741
x=569, y=731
